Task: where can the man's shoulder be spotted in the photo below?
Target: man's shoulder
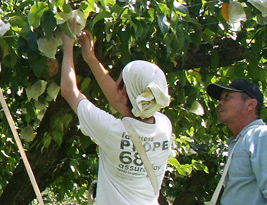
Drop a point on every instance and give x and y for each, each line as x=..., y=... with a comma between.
x=259, y=130
x=262, y=129
x=258, y=124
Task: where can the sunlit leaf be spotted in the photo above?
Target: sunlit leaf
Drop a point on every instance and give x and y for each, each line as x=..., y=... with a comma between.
x=36, y=90
x=63, y=17
x=80, y=21
x=65, y=27
x=183, y=11
x=36, y=13
x=174, y=162
x=4, y=27
x=53, y=90
x=163, y=23
x=100, y=16
x=48, y=46
x=197, y=108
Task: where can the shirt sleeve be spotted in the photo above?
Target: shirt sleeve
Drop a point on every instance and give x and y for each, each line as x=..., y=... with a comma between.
x=258, y=150
x=94, y=122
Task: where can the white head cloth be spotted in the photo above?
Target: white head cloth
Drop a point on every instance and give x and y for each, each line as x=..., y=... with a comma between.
x=146, y=87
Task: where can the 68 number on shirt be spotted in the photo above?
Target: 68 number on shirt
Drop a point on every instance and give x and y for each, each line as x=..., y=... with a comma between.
x=127, y=158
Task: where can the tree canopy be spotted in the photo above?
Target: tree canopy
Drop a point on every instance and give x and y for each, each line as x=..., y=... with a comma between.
x=194, y=42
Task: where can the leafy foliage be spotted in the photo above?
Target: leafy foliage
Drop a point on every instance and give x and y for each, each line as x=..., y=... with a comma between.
x=189, y=40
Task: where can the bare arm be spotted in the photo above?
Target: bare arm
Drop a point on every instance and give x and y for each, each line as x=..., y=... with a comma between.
x=69, y=89
x=107, y=84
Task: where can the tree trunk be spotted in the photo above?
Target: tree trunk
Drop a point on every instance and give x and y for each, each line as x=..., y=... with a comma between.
x=227, y=50
x=46, y=165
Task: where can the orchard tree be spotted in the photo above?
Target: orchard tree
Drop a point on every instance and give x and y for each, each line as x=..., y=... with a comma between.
x=195, y=43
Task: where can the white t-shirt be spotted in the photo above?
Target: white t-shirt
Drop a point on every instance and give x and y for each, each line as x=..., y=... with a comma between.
x=122, y=179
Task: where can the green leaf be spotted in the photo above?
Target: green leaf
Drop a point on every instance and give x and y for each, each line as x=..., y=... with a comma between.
x=67, y=8
x=40, y=105
x=31, y=41
x=85, y=84
x=36, y=90
x=66, y=119
x=36, y=12
x=195, y=38
x=163, y=23
x=46, y=141
x=19, y=21
x=10, y=58
x=37, y=63
x=65, y=27
x=182, y=170
x=151, y=13
x=137, y=27
x=49, y=23
x=182, y=10
x=199, y=166
x=48, y=46
x=53, y=90
x=163, y=8
x=60, y=4
x=62, y=17
x=27, y=133
x=207, y=36
x=178, y=39
x=215, y=58
x=57, y=136
x=174, y=162
x=117, y=9
x=99, y=17
x=80, y=21
x=89, y=6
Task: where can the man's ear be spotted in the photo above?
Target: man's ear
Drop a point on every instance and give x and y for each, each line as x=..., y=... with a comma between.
x=252, y=104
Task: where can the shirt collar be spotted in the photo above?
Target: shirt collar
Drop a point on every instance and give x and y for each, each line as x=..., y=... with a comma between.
x=245, y=129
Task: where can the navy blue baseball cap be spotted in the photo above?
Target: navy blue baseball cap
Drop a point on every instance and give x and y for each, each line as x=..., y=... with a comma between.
x=239, y=85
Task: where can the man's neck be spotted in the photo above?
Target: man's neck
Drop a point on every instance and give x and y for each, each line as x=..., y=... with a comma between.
x=239, y=126
x=150, y=120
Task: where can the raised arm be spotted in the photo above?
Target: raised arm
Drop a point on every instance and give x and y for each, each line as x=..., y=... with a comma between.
x=107, y=84
x=69, y=88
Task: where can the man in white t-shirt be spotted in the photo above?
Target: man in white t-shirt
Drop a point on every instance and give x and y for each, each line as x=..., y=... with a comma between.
x=140, y=92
